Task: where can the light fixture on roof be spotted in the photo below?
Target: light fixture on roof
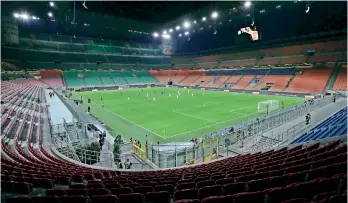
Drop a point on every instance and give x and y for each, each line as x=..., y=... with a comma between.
x=170, y=30
x=307, y=10
x=177, y=27
x=187, y=33
x=24, y=16
x=247, y=4
x=186, y=24
x=204, y=19
x=50, y=14
x=51, y=3
x=155, y=34
x=84, y=4
x=214, y=15
x=166, y=36
x=279, y=6
x=16, y=15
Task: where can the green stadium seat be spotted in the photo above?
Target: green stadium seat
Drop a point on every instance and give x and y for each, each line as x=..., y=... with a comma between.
x=101, y=42
x=72, y=78
x=146, y=77
x=131, y=77
x=92, y=79
x=105, y=78
x=118, y=78
x=94, y=48
x=109, y=49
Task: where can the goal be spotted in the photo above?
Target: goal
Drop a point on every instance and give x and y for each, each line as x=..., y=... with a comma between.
x=268, y=106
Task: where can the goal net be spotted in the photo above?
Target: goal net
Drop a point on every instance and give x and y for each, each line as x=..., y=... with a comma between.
x=268, y=106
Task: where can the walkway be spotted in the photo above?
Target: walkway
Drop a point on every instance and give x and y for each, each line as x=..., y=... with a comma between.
x=57, y=110
x=317, y=116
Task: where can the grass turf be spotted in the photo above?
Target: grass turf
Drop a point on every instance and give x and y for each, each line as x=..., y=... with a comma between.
x=169, y=118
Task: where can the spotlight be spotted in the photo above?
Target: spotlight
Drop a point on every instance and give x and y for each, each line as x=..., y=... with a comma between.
x=51, y=3
x=307, y=10
x=194, y=22
x=247, y=4
x=84, y=5
x=155, y=34
x=170, y=30
x=180, y=35
x=186, y=24
x=187, y=33
x=165, y=36
x=16, y=15
x=24, y=16
x=214, y=15
x=50, y=14
x=34, y=18
x=164, y=32
x=204, y=19
x=177, y=27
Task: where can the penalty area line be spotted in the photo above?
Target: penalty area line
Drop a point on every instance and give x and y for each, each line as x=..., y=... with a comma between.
x=129, y=121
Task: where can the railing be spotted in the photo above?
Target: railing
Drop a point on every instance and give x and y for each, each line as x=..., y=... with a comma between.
x=229, y=142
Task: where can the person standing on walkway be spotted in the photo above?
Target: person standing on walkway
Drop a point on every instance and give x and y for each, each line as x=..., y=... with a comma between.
x=127, y=164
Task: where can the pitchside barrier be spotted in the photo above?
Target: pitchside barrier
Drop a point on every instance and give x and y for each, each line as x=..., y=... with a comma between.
x=179, y=154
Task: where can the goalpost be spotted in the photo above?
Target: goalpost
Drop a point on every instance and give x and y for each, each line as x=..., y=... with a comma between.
x=268, y=106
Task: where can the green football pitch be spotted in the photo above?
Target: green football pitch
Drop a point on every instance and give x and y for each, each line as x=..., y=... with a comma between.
x=170, y=118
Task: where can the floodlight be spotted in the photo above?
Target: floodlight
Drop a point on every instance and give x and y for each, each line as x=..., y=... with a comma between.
x=247, y=4
x=214, y=15
x=51, y=3
x=186, y=24
x=34, y=18
x=24, y=16
x=204, y=19
x=180, y=35
x=187, y=33
x=16, y=15
x=307, y=10
x=155, y=34
x=50, y=14
x=165, y=36
x=177, y=27
x=170, y=30
x=164, y=32
x=194, y=22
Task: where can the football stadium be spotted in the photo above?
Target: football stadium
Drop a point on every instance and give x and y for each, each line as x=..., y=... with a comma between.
x=174, y=102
